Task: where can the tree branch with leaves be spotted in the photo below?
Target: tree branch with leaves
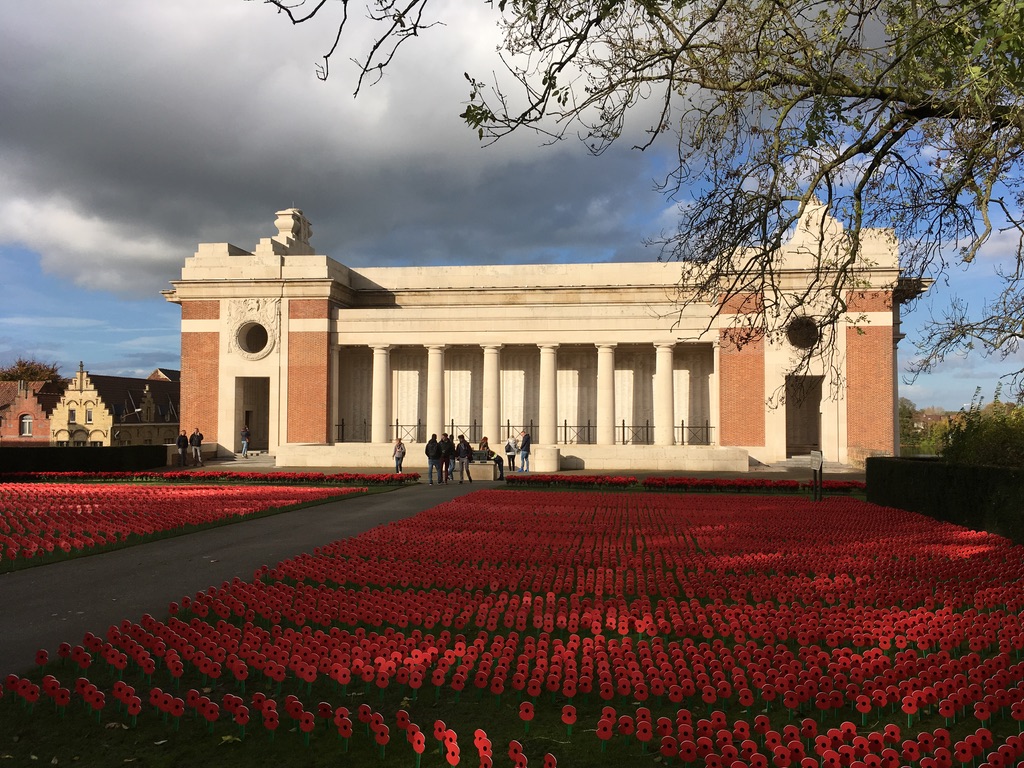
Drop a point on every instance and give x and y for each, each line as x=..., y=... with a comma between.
x=901, y=115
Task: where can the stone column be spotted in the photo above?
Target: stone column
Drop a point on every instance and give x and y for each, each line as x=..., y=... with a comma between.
x=605, y=394
x=335, y=401
x=664, y=408
x=548, y=416
x=435, y=389
x=492, y=395
x=683, y=388
x=715, y=396
x=380, y=396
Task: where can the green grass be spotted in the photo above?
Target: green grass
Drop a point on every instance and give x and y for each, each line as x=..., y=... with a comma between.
x=78, y=738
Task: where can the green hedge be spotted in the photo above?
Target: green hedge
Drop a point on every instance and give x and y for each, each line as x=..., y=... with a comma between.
x=127, y=458
x=980, y=498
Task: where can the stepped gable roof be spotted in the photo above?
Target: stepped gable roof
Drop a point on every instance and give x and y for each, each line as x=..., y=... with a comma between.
x=123, y=395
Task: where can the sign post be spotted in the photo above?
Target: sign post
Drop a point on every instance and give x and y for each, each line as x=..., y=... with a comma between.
x=816, y=465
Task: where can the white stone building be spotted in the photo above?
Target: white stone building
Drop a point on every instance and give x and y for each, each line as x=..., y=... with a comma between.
x=327, y=365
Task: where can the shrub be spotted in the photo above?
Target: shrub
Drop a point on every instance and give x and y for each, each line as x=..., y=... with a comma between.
x=989, y=436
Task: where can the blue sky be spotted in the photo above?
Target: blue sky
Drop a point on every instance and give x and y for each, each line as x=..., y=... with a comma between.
x=132, y=133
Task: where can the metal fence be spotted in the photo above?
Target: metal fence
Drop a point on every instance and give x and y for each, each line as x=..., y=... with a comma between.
x=567, y=434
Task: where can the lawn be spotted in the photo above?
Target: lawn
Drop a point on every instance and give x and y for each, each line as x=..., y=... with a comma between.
x=570, y=629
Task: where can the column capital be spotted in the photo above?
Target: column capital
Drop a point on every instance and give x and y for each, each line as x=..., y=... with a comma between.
x=665, y=344
x=494, y=347
x=380, y=347
x=436, y=347
x=606, y=344
x=548, y=345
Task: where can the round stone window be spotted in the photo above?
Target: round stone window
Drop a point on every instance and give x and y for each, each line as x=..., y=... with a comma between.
x=802, y=332
x=252, y=338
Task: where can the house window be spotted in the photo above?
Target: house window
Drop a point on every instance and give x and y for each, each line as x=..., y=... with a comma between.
x=78, y=443
x=62, y=443
x=88, y=415
x=96, y=444
x=25, y=426
x=72, y=415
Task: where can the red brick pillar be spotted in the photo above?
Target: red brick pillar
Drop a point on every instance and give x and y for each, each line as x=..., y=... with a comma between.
x=309, y=384
x=741, y=376
x=200, y=368
x=741, y=389
x=870, y=382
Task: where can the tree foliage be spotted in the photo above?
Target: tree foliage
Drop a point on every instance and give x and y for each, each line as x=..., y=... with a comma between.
x=992, y=435
x=31, y=370
x=905, y=115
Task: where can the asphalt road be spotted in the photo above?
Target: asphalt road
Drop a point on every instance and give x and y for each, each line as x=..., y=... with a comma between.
x=44, y=606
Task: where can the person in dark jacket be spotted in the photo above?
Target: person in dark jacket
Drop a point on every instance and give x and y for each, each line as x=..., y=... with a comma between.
x=433, y=452
x=524, y=452
x=182, y=444
x=464, y=455
x=196, y=441
x=447, y=449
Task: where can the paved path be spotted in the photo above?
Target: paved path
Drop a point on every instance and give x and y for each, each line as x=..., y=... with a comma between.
x=44, y=606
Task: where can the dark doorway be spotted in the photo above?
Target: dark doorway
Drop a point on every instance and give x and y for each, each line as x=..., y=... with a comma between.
x=803, y=414
x=252, y=407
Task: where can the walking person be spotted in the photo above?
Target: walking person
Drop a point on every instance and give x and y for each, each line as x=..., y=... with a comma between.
x=245, y=441
x=511, y=449
x=524, y=452
x=447, y=450
x=463, y=454
x=433, y=452
x=399, y=455
x=196, y=441
x=182, y=444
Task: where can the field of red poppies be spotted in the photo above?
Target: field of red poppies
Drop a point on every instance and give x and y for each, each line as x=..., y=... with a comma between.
x=40, y=519
x=580, y=629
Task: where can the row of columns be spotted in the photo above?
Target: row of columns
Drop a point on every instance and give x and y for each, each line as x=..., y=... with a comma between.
x=664, y=416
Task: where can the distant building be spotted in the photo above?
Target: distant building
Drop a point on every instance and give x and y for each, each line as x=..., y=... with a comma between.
x=97, y=410
x=328, y=364
x=165, y=374
x=25, y=408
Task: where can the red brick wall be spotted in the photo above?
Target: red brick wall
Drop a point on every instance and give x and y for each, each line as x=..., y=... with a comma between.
x=200, y=310
x=869, y=301
x=869, y=392
x=200, y=357
x=741, y=388
x=301, y=309
x=308, y=386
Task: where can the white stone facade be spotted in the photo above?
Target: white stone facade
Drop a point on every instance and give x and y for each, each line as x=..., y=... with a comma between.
x=328, y=364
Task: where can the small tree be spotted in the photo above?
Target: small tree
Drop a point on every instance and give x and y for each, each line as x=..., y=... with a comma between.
x=992, y=435
x=32, y=370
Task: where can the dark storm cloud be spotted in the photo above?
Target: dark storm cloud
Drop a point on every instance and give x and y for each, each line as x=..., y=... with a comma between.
x=133, y=132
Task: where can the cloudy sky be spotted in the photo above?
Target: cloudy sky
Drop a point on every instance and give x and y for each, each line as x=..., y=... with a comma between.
x=133, y=131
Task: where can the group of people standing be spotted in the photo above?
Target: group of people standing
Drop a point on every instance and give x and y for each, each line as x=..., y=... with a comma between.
x=444, y=455
x=193, y=442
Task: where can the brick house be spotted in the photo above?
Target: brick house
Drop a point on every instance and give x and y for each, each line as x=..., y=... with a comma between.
x=25, y=409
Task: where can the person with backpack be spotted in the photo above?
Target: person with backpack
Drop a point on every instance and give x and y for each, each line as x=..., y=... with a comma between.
x=511, y=449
